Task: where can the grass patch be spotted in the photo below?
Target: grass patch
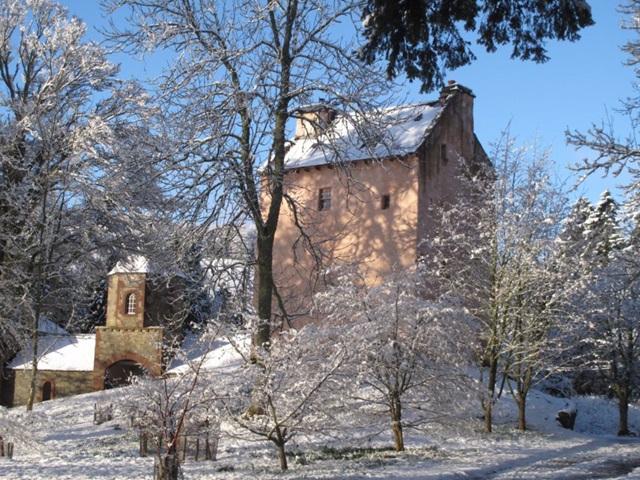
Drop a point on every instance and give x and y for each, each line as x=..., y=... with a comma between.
x=349, y=453
x=376, y=456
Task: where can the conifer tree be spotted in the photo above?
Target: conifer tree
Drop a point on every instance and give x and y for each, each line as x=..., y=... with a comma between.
x=604, y=332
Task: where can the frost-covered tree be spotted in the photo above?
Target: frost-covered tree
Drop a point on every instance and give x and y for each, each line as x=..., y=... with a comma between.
x=611, y=330
x=613, y=291
x=602, y=232
x=408, y=351
x=604, y=331
x=298, y=389
x=61, y=110
x=169, y=409
x=572, y=243
x=494, y=250
x=238, y=70
x=531, y=205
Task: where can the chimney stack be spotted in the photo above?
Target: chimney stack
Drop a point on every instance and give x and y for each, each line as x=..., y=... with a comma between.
x=313, y=120
x=451, y=88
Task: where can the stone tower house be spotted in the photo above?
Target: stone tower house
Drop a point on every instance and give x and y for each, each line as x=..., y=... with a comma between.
x=367, y=193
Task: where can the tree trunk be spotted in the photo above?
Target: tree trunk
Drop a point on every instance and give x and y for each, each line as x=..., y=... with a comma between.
x=282, y=456
x=487, y=405
x=34, y=363
x=267, y=227
x=39, y=281
x=167, y=467
x=398, y=436
x=265, y=289
x=522, y=409
x=623, y=409
x=144, y=443
x=395, y=408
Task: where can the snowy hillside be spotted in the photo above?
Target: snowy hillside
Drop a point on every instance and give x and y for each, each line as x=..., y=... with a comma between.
x=60, y=441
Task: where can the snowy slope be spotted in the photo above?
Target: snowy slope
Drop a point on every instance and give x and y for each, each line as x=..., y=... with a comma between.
x=59, y=441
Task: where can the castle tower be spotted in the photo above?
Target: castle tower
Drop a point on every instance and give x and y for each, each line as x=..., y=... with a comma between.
x=127, y=345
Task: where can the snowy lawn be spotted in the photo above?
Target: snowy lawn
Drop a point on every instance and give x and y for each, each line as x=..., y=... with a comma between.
x=60, y=441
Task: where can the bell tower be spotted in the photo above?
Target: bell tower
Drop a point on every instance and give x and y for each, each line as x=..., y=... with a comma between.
x=126, y=299
x=127, y=345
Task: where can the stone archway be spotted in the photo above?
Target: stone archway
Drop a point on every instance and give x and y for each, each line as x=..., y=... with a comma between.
x=121, y=372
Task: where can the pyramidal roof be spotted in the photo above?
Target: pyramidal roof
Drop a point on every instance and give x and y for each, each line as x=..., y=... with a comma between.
x=133, y=264
x=395, y=131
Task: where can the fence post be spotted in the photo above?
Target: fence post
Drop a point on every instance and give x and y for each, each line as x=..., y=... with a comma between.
x=211, y=448
x=143, y=444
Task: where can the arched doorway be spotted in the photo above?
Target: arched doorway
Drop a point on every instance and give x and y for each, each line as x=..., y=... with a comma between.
x=47, y=390
x=120, y=373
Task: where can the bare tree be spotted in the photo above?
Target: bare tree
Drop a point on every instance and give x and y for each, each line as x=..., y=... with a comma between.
x=613, y=153
x=299, y=388
x=238, y=71
x=166, y=410
x=61, y=106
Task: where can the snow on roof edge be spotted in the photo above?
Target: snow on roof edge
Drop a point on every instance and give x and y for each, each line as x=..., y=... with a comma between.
x=132, y=264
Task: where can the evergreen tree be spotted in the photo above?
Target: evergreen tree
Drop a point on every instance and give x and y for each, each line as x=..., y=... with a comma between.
x=424, y=38
x=604, y=333
x=601, y=233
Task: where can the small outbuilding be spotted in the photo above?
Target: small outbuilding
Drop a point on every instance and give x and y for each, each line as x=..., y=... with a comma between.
x=142, y=319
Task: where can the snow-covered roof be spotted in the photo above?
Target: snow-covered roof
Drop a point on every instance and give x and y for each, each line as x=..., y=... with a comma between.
x=220, y=355
x=395, y=131
x=59, y=352
x=133, y=264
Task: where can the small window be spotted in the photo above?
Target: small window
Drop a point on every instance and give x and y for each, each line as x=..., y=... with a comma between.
x=443, y=152
x=131, y=304
x=324, y=199
x=385, y=202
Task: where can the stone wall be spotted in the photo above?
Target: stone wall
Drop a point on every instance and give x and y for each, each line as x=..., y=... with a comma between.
x=63, y=384
x=143, y=346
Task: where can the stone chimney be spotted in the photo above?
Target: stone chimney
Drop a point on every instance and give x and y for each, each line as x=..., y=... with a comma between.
x=451, y=88
x=313, y=120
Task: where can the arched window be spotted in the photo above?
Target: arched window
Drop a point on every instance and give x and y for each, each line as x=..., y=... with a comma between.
x=131, y=304
x=48, y=391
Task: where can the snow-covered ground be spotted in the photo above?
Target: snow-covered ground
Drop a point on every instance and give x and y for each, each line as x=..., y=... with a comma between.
x=60, y=441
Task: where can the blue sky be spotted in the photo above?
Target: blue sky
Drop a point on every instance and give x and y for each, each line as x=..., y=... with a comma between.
x=583, y=82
